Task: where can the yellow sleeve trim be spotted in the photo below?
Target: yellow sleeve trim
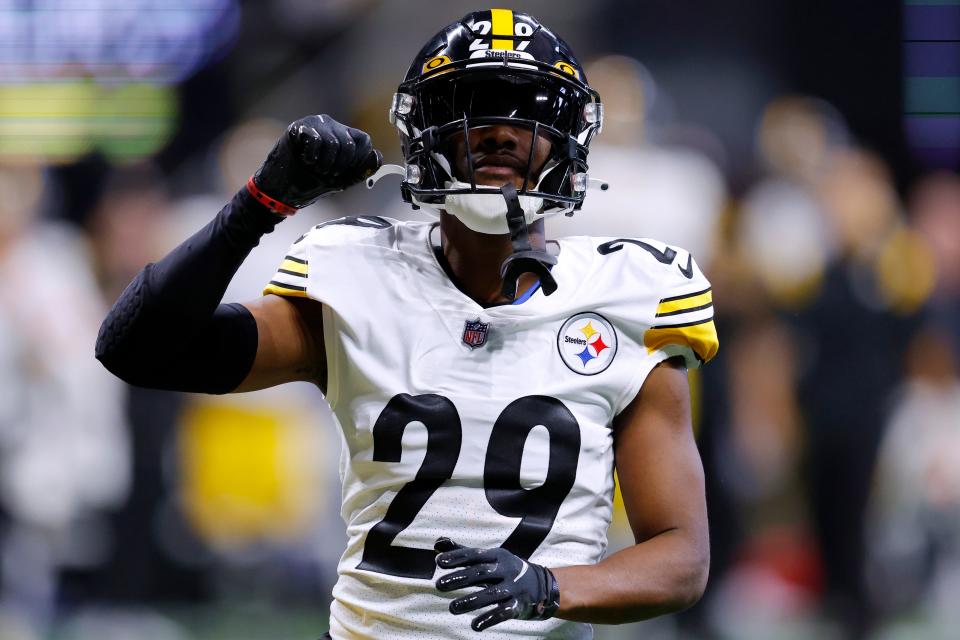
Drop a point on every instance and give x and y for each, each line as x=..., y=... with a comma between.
x=280, y=289
x=701, y=337
x=502, y=20
x=295, y=267
x=681, y=304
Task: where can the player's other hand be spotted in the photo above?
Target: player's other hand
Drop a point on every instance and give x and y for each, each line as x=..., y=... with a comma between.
x=316, y=155
x=516, y=589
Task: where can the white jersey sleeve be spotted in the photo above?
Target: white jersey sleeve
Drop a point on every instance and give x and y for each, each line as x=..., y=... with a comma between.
x=683, y=320
x=658, y=298
x=324, y=244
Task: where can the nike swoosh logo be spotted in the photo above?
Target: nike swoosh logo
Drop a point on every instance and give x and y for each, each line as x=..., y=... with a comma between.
x=522, y=571
x=688, y=272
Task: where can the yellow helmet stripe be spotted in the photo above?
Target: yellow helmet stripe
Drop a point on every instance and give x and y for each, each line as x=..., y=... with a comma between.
x=502, y=20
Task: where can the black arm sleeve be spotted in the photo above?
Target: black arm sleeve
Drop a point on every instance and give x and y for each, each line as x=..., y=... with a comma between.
x=168, y=329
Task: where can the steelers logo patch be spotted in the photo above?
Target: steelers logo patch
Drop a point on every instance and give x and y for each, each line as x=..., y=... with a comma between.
x=587, y=343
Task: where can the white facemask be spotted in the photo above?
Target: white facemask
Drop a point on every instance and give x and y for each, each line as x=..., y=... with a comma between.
x=487, y=212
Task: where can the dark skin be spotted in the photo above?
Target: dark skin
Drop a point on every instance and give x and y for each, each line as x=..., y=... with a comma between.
x=499, y=156
x=661, y=480
x=657, y=463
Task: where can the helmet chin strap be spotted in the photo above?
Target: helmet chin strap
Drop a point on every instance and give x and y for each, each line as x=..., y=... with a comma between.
x=525, y=258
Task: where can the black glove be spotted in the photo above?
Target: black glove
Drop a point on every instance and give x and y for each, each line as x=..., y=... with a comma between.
x=520, y=590
x=315, y=156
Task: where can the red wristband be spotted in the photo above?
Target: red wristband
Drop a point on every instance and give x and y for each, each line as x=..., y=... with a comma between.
x=270, y=203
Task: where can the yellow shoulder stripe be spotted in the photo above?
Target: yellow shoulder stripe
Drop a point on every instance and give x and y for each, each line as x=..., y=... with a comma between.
x=682, y=304
x=296, y=267
x=281, y=289
x=701, y=337
x=502, y=20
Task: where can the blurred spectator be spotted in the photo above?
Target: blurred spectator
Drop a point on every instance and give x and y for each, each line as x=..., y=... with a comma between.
x=670, y=192
x=915, y=516
x=821, y=244
x=784, y=232
x=64, y=454
x=854, y=332
x=128, y=228
x=935, y=211
x=916, y=501
x=771, y=252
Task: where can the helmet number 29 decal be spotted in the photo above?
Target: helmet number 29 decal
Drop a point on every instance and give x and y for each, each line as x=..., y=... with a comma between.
x=483, y=28
x=523, y=30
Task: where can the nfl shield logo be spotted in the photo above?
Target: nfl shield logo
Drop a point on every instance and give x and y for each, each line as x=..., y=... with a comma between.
x=475, y=333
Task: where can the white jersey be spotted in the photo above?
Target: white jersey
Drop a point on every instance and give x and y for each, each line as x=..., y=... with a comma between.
x=491, y=426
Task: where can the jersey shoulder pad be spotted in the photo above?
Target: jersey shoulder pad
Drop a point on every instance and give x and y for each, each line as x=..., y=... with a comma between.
x=351, y=230
x=642, y=254
x=334, y=242
x=682, y=323
x=683, y=319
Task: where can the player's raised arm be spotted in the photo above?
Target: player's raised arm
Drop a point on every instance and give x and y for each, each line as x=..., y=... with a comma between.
x=168, y=329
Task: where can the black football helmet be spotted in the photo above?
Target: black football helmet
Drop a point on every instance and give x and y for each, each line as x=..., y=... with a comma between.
x=496, y=67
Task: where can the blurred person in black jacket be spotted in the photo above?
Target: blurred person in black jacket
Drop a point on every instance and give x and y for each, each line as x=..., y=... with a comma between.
x=854, y=333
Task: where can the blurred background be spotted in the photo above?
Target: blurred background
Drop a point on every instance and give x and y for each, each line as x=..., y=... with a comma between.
x=806, y=151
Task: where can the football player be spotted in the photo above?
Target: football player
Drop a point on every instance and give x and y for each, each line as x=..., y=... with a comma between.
x=486, y=382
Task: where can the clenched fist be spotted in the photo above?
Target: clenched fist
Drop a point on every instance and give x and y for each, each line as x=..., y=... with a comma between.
x=315, y=156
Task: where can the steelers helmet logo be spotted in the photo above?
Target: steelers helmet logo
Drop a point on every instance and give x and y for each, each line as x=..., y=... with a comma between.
x=435, y=63
x=567, y=68
x=587, y=343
